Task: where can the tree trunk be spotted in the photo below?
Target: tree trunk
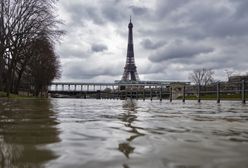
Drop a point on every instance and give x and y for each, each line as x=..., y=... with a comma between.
x=8, y=81
x=37, y=90
x=18, y=81
x=10, y=77
x=1, y=70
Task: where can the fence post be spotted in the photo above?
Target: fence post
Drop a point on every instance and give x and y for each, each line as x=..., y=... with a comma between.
x=160, y=94
x=150, y=92
x=131, y=92
x=87, y=91
x=144, y=93
x=113, y=92
x=218, y=92
x=126, y=92
x=198, y=93
x=183, y=93
x=118, y=94
x=243, y=91
x=170, y=94
x=137, y=92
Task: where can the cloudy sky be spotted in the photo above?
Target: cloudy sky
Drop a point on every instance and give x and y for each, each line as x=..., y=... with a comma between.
x=171, y=38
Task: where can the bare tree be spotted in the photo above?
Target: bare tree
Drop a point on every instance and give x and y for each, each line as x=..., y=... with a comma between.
x=202, y=77
x=44, y=66
x=22, y=21
x=229, y=73
x=2, y=44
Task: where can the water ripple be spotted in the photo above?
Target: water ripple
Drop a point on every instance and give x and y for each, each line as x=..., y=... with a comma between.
x=114, y=133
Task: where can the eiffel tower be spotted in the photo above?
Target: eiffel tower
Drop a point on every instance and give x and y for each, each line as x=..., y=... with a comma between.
x=130, y=70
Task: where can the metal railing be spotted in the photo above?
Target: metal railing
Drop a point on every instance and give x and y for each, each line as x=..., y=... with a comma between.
x=219, y=91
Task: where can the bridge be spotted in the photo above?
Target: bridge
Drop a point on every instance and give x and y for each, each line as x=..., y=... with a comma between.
x=150, y=90
x=115, y=90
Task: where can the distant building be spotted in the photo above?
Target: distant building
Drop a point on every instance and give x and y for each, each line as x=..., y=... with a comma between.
x=238, y=78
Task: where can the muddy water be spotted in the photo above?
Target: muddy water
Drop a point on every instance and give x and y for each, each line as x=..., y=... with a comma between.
x=63, y=133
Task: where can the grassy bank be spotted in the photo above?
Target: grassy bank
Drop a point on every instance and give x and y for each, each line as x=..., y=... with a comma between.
x=213, y=97
x=15, y=96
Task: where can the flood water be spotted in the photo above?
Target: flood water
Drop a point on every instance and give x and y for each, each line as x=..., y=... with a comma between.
x=62, y=133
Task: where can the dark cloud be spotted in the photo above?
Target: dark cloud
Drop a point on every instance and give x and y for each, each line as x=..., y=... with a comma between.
x=218, y=21
x=166, y=7
x=179, y=51
x=138, y=10
x=112, y=14
x=148, y=44
x=88, y=70
x=198, y=20
x=173, y=36
x=72, y=52
x=241, y=9
x=80, y=13
x=98, y=47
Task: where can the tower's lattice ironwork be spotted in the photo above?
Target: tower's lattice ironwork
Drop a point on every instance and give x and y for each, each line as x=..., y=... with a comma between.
x=130, y=69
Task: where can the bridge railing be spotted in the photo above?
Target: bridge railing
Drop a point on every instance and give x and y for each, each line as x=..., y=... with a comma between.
x=120, y=90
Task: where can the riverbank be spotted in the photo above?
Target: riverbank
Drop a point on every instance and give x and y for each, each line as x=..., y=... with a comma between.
x=17, y=96
x=214, y=97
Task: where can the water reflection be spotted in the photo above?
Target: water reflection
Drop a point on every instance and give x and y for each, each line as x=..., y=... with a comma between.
x=26, y=128
x=110, y=133
x=128, y=118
